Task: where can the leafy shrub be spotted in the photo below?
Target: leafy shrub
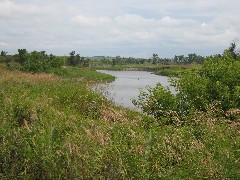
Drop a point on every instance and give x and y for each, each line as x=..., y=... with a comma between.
x=217, y=80
x=38, y=61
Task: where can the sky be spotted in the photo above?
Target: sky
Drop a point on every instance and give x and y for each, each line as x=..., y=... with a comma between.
x=129, y=28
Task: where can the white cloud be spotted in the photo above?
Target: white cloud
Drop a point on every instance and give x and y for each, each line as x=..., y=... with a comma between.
x=91, y=22
x=4, y=44
x=11, y=9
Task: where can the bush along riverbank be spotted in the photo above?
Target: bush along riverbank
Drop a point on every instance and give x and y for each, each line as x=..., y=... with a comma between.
x=54, y=127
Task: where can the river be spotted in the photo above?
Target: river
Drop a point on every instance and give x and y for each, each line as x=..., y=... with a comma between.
x=128, y=84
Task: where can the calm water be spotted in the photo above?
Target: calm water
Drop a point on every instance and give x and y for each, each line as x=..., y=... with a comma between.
x=128, y=83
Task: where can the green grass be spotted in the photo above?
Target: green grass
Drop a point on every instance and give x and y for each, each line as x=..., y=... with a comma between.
x=163, y=70
x=84, y=73
x=51, y=128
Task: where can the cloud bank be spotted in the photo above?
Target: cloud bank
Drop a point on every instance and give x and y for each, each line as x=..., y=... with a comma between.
x=135, y=28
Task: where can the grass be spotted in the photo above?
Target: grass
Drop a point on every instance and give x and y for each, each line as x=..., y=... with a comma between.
x=51, y=128
x=84, y=73
x=163, y=70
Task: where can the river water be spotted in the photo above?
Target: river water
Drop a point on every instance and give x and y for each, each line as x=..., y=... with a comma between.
x=127, y=85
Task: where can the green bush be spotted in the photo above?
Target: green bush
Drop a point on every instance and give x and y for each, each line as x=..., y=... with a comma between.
x=37, y=62
x=217, y=80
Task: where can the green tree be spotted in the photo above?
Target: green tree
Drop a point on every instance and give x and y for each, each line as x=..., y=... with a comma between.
x=71, y=59
x=155, y=59
x=22, y=55
x=142, y=61
x=75, y=60
x=113, y=62
x=3, y=53
x=55, y=61
x=232, y=50
x=191, y=58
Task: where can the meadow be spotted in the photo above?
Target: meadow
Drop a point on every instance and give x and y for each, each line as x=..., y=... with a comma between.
x=53, y=127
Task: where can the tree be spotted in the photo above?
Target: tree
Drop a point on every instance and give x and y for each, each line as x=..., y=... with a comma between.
x=113, y=62
x=3, y=53
x=71, y=60
x=22, y=55
x=74, y=60
x=77, y=60
x=118, y=60
x=155, y=59
x=232, y=50
x=56, y=62
x=191, y=58
x=142, y=61
x=199, y=59
x=179, y=59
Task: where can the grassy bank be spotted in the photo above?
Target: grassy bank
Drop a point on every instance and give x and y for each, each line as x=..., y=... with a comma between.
x=51, y=128
x=163, y=70
x=84, y=73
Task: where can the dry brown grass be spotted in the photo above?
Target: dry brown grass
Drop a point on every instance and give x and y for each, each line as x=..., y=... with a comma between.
x=112, y=115
x=6, y=75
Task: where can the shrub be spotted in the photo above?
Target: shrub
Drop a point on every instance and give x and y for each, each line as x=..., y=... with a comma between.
x=217, y=80
x=37, y=62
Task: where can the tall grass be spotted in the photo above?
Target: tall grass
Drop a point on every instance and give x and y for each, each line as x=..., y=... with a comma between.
x=51, y=128
x=81, y=73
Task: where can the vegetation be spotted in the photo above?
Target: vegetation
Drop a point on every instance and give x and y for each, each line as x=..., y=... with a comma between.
x=161, y=69
x=54, y=127
x=155, y=60
x=39, y=61
x=77, y=60
x=81, y=74
x=217, y=82
x=157, y=65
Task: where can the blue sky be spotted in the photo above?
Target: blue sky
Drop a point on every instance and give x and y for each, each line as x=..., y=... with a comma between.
x=136, y=28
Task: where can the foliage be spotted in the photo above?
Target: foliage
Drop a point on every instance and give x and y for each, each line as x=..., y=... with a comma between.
x=218, y=80
x=53, y=128
x=3, y=53
x=171, y=71
x=38, y=61
x=77, y=60
x=56, y=61
x=191, y=58
x=81, y=74
x=57, y=128
x=158, y=102
x=155, y=59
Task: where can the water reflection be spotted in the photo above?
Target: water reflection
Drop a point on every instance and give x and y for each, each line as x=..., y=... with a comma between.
x=128, y=83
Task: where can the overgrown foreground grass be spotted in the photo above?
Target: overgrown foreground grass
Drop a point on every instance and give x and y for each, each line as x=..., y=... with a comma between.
x=52, y=128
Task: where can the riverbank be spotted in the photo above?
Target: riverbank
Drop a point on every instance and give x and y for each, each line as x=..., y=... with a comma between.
x=163, y=70
x=53, y=128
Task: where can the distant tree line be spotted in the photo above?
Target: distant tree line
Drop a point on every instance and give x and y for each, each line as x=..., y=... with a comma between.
x=155, y=59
